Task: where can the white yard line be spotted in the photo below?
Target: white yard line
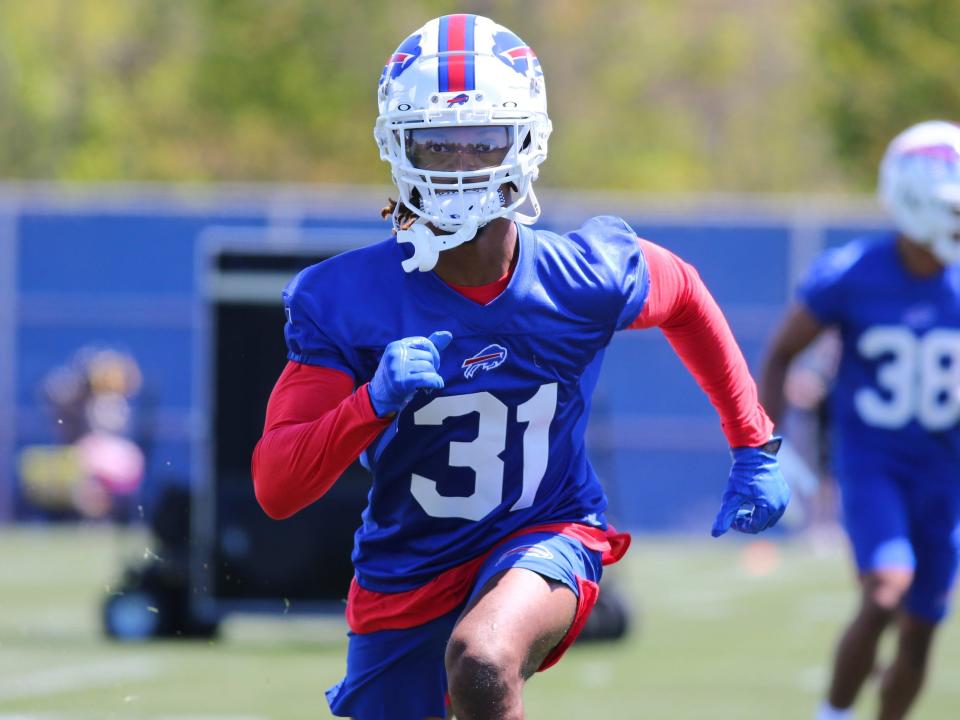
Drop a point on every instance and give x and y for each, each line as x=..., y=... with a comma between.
x=42, y=683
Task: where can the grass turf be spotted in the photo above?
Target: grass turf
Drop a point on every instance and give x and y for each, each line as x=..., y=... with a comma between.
x=723, y=629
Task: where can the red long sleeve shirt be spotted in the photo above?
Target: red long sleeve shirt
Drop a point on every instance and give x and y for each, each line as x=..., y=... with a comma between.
x=317, y=425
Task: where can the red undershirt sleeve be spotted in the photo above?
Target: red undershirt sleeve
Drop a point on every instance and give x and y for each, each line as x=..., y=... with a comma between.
x=316, y=427
x=682, y=307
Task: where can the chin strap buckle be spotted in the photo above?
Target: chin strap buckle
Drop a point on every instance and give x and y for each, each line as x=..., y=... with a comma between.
x=425, y=252
x=427, y=245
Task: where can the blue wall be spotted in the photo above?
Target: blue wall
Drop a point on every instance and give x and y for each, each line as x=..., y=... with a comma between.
x=127, y=276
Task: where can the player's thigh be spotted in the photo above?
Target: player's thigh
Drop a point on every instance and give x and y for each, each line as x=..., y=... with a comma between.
x=531, y=597
x=877, y=521
x=513, y=623
x=935, y=532
x=395, y=674
x=876, y=518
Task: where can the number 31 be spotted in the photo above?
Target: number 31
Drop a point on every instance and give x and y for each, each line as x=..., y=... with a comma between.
x=482, y=454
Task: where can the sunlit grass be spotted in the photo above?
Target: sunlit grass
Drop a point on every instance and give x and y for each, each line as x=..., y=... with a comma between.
x=722, y=629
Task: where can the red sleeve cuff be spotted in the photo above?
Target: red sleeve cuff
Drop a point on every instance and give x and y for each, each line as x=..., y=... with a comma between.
x=367, y=413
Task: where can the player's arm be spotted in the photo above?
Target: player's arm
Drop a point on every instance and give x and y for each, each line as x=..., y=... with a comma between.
x=316, y=426
x=798, y=329
x=679, y=304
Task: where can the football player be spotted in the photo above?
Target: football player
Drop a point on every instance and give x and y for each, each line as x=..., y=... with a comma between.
x=895, y=408
x=458, y=362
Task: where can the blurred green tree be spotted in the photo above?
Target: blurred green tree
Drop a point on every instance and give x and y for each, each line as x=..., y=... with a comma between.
x=745, y=95
x=884, y=65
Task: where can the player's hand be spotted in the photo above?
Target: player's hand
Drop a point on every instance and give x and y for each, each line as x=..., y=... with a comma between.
x=756, y=494
x=407, y=365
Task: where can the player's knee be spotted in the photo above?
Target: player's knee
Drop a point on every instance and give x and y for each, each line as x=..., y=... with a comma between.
x=481, y=675
x=884, y=590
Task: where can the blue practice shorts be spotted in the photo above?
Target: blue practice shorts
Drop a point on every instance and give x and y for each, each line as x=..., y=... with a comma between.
x=400, y=674
x=897, y=519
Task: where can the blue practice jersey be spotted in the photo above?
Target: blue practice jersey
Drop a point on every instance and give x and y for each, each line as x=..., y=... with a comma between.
x=501, y=447
x=897, y=392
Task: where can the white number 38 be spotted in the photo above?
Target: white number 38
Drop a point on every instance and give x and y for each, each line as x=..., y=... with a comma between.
x=919, y=380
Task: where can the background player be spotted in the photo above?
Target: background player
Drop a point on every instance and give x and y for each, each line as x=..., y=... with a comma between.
x=895, y=409
x=805, y=421
x=459, y=364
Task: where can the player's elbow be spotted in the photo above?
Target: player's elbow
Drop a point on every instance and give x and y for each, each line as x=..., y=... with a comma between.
x=271, y=502
x=275, y=508
x=268, y=487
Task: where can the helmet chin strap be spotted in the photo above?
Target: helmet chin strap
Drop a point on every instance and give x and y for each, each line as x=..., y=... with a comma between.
x=427, y=246
x=945, y=248
x=523, y=218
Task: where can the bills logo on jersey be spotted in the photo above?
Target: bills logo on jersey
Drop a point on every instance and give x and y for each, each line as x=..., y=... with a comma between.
x=403, y=58
x=511, y=50
x=460, y=99
x=492, y=356
x=538, y=551
x=920, y=316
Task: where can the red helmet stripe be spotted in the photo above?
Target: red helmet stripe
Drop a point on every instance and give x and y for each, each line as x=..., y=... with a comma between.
x=456, y=64
x=455, y=70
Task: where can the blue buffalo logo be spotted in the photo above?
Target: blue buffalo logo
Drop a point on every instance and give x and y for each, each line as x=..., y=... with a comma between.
x=512, y=51
x=460, y=99
x=492, y=356
x=403, y=58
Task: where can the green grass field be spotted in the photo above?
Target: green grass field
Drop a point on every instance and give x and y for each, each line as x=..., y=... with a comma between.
x=725, y=629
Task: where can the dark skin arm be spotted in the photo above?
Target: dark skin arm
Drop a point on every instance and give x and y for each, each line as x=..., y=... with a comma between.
x=798, y=329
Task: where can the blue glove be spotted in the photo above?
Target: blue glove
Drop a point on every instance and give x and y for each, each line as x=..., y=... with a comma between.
x=756, y=494
x=407, y=365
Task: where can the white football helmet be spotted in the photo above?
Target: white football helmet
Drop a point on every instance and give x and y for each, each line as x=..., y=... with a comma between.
x=462, y=71
x=920, y=186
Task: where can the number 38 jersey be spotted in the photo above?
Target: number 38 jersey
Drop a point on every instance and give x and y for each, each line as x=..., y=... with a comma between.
x=897, y=392
x=501, y=447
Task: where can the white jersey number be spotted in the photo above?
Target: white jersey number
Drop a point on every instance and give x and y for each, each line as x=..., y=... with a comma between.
x=482, y=454
x=920, y=379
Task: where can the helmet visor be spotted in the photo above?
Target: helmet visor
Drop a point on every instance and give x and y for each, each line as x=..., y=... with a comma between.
x=458, y=148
